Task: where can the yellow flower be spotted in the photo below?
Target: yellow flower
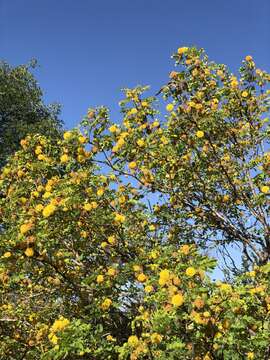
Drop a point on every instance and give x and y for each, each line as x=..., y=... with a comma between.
x=132, y=165
x=140, y=142
x=29, y=252
x=182, y=50
x=164, y=140
x=110, y=338
x=59, y=324
x=265, y=189
x=35, y=194
x=190, y=271
x=225, y=287
x=245, y=94
x=164, y=277
x=117, y=146
x=122, y=199
x=23, y=143
x=42, y=157
x=198, y=303
x=24, y=228
x=197, y=317
x=100, y=279
x=90, y=114
x=133, y=111
x=82, y=139
x=170, y=107
x=248, y=58
x=250, y=355
x=251, y=273
x=23, y=200
x=133, y=341
x=94, y=204
x=218, y=335
x=38, y=150
x=67, y=135
x=113, y=128
x=148, y=288
x=119, y=218
x=112, y=240
x=153, y=254
x=39, y=207
x=47, y=194
x=177, y=300
x=48, y=210
x=64, y=158
x=234, y=82
x=206, y=314
x=173, y=74
x=87, y=207
x=40, y=188
x=176, y=280
x=84, y=234
x=53, y=339
x=111, y=272
x=136, y=267
x=141, y=277
x=200, y=134
x=144, y=104
x=185, y=249
x=106, y=304
x=7, y=254
x=198, y=106
x=100, y=191
x=156, y=338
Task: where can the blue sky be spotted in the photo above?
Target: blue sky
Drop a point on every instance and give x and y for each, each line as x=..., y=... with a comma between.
x=88, y=50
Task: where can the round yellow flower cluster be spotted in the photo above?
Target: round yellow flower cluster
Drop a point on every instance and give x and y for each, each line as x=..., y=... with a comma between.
x=182, y=50
x=177, y=300
x=29, y=252
x=24, y=228
x=133, y=340
x=58, y=325
x=169, y=107
x=164, y=277
x=49, y=210
x=106, y=304
x=119, y=218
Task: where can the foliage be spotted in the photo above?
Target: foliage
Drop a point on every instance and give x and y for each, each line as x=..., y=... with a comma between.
x=21, y=108
x=104, y=233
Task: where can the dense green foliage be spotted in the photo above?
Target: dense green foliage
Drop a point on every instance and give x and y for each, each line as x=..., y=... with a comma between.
x=22, y=110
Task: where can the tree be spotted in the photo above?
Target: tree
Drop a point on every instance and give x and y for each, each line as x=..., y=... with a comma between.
x=208, y=160
x=22, y=110
x=104, y=232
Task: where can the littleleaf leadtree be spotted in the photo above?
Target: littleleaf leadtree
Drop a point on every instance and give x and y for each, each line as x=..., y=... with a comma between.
x=22, y=110
x=209, y=158
x=92, y=270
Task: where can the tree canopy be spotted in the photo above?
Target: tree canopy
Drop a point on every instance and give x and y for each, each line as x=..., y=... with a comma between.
x=106, y=233
x=22, y=110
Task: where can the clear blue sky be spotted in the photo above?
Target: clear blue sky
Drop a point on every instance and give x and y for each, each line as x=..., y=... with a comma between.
x=88, y=49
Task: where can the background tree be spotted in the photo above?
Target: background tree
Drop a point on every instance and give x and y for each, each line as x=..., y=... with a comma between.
x=22, y=110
